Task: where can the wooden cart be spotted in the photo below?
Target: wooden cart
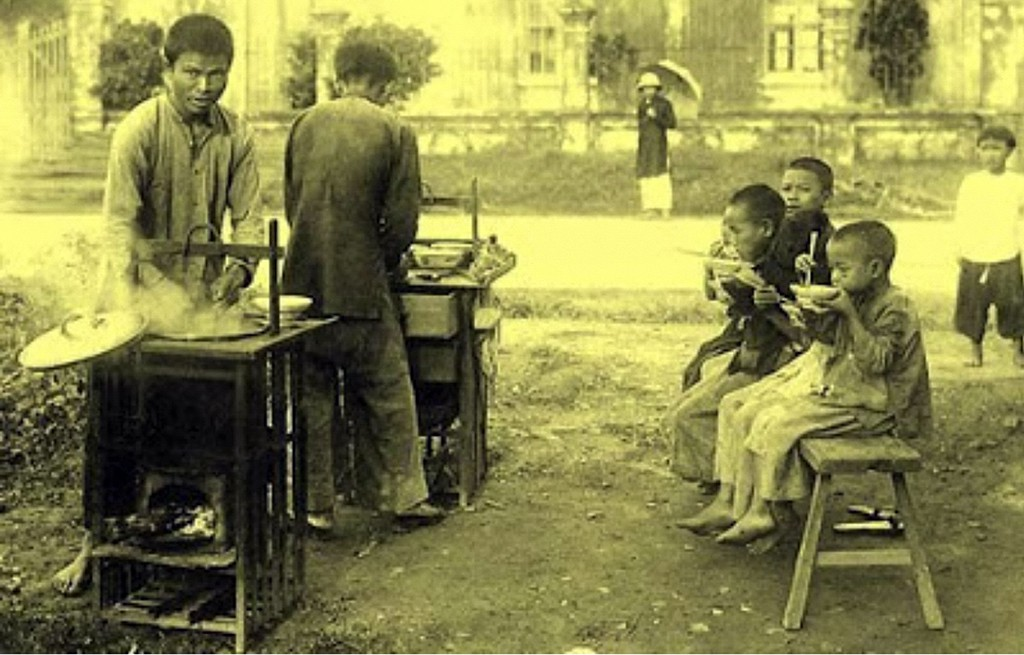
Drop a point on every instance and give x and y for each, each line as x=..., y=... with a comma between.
x=451, y=322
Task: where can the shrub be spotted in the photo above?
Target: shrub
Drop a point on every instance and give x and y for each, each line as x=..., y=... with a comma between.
x=613, y=62
x=895, y=35
x=412, y=48
x=131, y=65
x=300, y=84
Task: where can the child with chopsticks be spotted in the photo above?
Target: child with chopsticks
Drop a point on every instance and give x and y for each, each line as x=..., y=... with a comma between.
x=866, y=374
x=798, y=253
x=806, y=187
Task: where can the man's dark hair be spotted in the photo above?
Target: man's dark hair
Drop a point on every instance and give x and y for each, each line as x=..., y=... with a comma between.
x=814, y=165
x=360, y=58
x=998, y=133
x=200, y=33
x=876, y=238
x=762, y=202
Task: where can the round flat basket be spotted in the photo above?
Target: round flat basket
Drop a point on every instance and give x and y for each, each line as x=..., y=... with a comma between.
x=80, y=339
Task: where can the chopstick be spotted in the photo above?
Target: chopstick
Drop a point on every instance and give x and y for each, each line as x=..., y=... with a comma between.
x=808, y=273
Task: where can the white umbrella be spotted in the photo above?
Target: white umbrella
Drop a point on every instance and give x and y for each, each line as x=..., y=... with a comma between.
x=676, y=77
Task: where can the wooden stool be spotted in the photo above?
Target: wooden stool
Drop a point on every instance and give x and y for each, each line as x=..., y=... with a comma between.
x=831, y=456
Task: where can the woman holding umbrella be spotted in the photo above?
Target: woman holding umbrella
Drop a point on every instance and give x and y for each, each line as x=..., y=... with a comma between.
x=655, y=117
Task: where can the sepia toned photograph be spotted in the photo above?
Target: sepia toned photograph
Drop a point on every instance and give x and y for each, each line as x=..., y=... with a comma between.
x=511, y=326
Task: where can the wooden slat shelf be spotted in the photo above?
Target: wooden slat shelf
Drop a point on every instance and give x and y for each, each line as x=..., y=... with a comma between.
x=223, y=559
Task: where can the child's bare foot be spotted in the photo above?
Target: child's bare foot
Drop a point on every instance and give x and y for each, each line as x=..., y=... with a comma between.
x=747, y=529
x=74, y=578
x=716, y=516
x=788, y=524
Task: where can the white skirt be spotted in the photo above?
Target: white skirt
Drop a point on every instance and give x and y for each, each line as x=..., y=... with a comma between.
x=656, y=192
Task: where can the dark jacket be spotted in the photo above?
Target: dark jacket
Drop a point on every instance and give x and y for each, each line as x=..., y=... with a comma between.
x=762, y=334
x=352, y=194
x=794, y=238
x=652, y=143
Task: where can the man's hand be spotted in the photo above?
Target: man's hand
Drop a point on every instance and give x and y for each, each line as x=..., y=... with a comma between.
x=226, y=287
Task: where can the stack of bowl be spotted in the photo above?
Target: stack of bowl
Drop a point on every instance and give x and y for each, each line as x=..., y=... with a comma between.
x=293, y=307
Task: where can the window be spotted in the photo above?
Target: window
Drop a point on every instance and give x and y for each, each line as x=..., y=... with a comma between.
x=780, y=48
x=796, y=41
x=541, y=38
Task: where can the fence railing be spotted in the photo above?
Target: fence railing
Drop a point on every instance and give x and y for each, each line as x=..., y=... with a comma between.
x=36, y=74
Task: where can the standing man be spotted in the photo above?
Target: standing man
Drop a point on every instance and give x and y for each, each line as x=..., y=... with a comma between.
x=352, y=194
x=178, y=161
x=654, y=116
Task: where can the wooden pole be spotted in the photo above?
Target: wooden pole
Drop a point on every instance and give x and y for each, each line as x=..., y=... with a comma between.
x=274, y=291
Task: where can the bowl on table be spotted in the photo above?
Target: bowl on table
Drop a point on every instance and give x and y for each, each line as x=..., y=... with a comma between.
x=292, y=307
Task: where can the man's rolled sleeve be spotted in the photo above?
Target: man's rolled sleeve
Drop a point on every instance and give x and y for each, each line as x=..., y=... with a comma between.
x=245, y=202
x=122, y=196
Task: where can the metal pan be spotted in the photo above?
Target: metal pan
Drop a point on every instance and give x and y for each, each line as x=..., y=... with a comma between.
x=209, y=325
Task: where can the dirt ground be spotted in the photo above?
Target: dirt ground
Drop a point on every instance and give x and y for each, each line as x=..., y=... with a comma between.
x=572, y=547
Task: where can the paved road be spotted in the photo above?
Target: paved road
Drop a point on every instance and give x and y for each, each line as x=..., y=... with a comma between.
x=554, y=252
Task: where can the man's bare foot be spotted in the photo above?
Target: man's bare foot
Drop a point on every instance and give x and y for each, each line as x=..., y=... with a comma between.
x=714, y=517
x=749, y=527
x=74, y=578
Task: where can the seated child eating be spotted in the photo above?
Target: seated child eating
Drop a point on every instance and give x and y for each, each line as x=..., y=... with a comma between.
x=806, y=187
x=865, y=374
x=763, y=329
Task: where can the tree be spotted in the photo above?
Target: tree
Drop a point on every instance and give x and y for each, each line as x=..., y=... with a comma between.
x=613, y=61
x=300, y=84
x=412, y=48
x=131, y=65
x=895, y=35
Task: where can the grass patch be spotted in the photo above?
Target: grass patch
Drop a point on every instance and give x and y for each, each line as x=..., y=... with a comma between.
x=533, y=181
x=661, y=306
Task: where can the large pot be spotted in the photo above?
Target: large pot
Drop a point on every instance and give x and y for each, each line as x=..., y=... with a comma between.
x=207, y=324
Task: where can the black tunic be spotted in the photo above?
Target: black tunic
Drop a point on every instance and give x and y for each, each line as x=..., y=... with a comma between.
x=652, y=144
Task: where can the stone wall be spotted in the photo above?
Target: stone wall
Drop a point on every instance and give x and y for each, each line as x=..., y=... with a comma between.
x=842, y=137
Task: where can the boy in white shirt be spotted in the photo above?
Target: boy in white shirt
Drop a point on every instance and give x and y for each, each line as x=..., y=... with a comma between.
x=989, y=207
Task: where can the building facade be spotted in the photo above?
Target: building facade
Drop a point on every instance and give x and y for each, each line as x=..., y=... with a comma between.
x=530, y=57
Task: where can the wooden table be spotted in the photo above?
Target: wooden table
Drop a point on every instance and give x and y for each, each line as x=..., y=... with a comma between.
x=223, y=417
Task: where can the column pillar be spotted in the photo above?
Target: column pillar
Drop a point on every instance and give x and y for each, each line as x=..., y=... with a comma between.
x=89, y=23
x=577, y=18
x=574, y=71
x=328, y=20
x=676, y=12
x=836, y=25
